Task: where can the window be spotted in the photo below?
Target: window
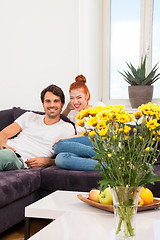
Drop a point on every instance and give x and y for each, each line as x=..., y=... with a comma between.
x=156, y=44
x=125, y=35
x=131, y=24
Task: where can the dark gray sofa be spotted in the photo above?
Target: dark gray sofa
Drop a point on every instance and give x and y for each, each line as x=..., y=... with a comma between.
x=20, y=188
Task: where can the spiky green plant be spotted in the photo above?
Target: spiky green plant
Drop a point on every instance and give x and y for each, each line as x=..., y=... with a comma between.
x=138, y=76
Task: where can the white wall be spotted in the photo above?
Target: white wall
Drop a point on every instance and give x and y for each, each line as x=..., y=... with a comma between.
x=44, y=42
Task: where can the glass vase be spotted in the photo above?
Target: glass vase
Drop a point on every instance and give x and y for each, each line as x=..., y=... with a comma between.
x=125, y=201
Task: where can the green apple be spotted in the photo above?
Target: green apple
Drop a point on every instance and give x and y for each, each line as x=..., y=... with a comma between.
x=94, y=195
x=106, y=197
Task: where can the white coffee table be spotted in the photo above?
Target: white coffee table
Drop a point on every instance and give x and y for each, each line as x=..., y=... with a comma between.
x=77, y=220
x=55, y=205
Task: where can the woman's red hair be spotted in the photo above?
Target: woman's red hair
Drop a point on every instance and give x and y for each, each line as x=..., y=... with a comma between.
x=80, y=81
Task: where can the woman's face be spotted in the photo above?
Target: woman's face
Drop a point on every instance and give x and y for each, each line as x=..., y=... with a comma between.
x=79, y=99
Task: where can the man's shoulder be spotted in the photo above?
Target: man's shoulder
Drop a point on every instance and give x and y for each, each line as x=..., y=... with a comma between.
x=64, y=123
x=29, y=116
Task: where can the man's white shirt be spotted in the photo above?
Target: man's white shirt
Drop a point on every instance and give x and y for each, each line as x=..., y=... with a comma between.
x=36, y=138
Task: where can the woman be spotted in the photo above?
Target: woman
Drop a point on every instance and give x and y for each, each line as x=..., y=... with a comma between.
x=75, y=153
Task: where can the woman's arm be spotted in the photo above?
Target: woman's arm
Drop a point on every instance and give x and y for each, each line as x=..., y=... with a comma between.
x=68, y=109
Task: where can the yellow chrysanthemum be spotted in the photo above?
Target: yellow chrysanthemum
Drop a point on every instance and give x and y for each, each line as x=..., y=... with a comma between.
x=126, y=129
x=82, y=114
x=152, y=124
x=92, y=133
x=103, y=115
x=92, y=121
x=150, y=109
x=84, y=133
x=119, y=130
x=123, y=118
x=137, y=115
x=95, y=110
x=101, y=125
x=103, y=132
x=80, y=123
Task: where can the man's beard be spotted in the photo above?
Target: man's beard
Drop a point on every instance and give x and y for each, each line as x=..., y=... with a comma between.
x=52, y=114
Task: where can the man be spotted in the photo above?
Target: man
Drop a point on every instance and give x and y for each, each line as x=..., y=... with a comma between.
x=32, y=147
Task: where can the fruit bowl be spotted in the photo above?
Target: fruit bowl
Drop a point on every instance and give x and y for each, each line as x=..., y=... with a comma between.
x=109, y=208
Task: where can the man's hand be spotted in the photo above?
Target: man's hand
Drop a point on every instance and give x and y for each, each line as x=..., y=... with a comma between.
x=39, y=162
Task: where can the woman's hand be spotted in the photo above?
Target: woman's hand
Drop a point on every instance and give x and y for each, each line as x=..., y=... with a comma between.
x=58, y=141
x=70, y=106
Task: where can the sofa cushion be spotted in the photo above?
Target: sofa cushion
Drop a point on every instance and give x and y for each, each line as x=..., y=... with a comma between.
x=54, y=179
x=17, y=184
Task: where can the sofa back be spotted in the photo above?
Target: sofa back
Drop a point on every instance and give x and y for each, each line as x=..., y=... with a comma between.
x=10, y=115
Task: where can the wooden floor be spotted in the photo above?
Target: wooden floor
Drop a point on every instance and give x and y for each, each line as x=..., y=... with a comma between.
x=17, y=232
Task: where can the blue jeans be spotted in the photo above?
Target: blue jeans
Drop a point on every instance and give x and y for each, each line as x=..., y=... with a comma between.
x=75, y=154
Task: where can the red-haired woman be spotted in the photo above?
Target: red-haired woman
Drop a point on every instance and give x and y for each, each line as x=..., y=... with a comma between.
x=76, y=153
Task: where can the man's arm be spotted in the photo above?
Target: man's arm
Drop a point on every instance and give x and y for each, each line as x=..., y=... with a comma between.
x=9, y=132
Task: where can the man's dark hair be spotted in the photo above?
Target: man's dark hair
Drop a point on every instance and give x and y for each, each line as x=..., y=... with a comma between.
x=55, y=90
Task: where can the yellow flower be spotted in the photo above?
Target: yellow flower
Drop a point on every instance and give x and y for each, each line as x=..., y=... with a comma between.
x=95, y=110
x=137, y=115
x=126, y=129
x=119, y=130
x=147, y=149
x=126, y=138
x=103, y=132
x=114, y=137
x=150, y=110
x=140, y=137
x=123, y=118
x=109, y=155
x=101, y=125
x=80, y=123
x=84, y=133
x=152, y=124
x=92, y=121
x=82, y=114
x=134, y=130
x=92, y=133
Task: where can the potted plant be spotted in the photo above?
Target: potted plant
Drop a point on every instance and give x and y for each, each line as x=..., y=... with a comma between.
x=141, y=89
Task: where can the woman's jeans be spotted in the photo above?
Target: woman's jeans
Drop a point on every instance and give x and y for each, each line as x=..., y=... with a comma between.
x=75, y=154
x=9, y=160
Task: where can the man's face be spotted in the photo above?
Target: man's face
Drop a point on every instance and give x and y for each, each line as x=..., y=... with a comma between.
x=52, y=105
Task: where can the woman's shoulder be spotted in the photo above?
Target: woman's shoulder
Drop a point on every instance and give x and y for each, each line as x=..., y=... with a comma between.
x=96, y=104
x=72, y=115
